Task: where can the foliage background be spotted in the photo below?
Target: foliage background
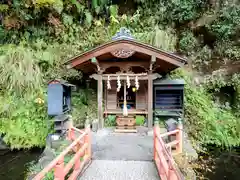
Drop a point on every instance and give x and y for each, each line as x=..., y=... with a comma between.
x=37, y=36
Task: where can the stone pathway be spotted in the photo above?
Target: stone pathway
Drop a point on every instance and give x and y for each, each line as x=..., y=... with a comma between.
x=120, y=170
x=120, y=146
x=118, y=156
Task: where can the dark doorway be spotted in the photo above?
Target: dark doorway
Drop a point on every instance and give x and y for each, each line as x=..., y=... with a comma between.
x=130, y=97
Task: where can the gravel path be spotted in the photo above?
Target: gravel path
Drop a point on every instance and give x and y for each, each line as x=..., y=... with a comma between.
x=121, y=157
x=130, y=147
x=120, y=170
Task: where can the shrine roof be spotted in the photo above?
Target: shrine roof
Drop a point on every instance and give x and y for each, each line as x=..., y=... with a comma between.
x=124, y=46
x=61, y=81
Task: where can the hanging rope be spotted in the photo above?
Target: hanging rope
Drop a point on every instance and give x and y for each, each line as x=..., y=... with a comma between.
x=125, y=110
x=136, y=83
x=118, y=84
x=128, y=82
x=108, y=83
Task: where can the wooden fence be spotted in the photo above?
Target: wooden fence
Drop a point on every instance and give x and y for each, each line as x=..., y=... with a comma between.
x=164, y=161
x=81, y=146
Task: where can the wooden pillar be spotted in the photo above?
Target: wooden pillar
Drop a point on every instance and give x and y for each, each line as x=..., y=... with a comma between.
x=150, y=99
x=179, y=137
x=125, y=111
x=105, y=95
x=100, y=104
x=124, y=92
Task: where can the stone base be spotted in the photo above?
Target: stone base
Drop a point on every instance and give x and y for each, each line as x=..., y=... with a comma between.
x=150, y=132
x=95, y=126
x=188, y=148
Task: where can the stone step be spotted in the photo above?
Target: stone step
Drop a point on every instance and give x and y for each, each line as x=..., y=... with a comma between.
x=120, y=170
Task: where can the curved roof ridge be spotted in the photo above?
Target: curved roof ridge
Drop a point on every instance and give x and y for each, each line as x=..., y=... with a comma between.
x=131, y=41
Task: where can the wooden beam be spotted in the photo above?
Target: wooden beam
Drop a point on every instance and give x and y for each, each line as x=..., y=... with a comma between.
x=95, y=76
x=153, y=60
x=150, y=103
x=125, y=65
x=155, y=76
x=132, y=112
x=124, y=76
x=100, y=70
x=100, y=104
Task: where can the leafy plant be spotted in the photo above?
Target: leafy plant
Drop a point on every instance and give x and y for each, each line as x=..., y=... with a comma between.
x=140, y=120
x=182, y=11
x=205, y=121
x=110, y=120
x=226, y=25
x=24, y=121
x=84, y=105
x=188, y=43
x=22, y=73
x=164, y=39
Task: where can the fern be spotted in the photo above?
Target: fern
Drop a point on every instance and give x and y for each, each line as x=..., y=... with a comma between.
x=80, y=7
x=22, y=72
x=89, y=18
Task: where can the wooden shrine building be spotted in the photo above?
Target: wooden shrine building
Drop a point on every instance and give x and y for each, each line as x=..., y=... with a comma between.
x=125, y=70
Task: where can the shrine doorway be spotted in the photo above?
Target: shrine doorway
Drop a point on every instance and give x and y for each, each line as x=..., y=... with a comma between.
x=130, y=98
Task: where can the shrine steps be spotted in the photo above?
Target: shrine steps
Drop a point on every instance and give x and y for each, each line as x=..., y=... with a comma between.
x=126, y=124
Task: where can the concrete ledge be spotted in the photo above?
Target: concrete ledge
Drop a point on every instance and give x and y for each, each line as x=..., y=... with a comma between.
x=188, y=149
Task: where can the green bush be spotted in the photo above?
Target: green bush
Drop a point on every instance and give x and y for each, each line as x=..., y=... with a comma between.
x=205, y=121
x=110, y=120
x=140, y=120
x=24, y=121
x=84, y=105
x=228, y=19
x=188, y=42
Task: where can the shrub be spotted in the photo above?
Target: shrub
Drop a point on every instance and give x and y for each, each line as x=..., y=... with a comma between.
x=205, y=121
x=24, y=121
x=110, y=120
x=140, y=120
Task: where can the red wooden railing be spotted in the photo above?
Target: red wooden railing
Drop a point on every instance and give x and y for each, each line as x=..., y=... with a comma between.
x=81, y=146
x=164, y=161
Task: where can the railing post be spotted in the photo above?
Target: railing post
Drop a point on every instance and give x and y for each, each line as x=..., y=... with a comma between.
x=77, y=165
x=161, y=170
x=179, y=137
x=172, y=175
x=71, y=134
x=59, y=170
x=87, y=140
x=154, y=141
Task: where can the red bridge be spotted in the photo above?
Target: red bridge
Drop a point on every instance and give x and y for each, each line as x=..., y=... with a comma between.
x=81, y=146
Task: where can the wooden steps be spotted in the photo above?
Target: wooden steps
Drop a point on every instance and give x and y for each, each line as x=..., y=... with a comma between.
x=125, y=130
x=126, y=124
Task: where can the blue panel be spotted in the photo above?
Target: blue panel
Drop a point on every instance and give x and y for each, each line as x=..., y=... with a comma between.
x=168, y=99
x=55, y=99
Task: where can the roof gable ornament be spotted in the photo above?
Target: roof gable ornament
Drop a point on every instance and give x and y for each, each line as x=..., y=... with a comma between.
x=123, y=33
